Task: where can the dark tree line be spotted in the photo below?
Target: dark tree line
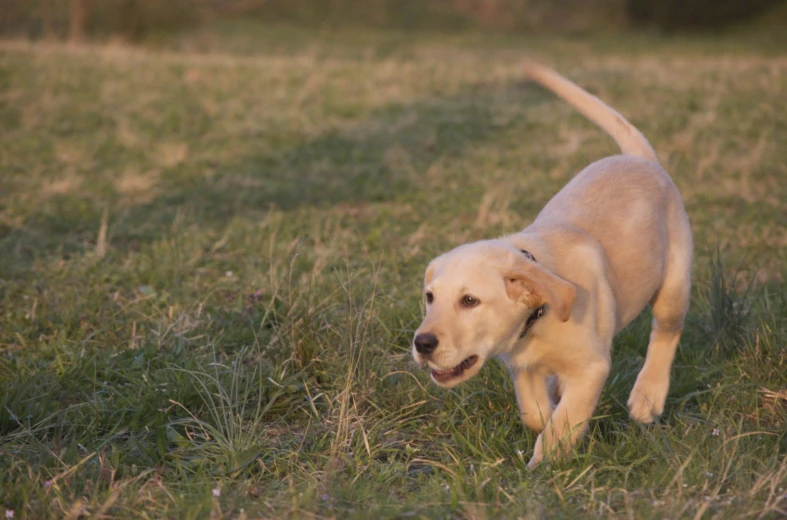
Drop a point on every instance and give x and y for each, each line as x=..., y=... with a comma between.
x=693, y=14
x=77, y=20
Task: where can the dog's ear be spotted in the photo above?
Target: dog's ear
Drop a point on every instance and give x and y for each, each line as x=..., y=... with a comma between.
x=534, y=286
x=429, y=273
x=431, y=269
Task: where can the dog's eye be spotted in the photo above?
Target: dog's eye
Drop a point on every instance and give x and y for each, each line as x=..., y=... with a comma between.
x=468, y=301
x=429, y=297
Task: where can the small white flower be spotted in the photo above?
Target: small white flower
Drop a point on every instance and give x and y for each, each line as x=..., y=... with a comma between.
x=228, y=274
x=708, y=474
x=520, y=453
x=715, y=432
x=216, y=492
x=9, y=513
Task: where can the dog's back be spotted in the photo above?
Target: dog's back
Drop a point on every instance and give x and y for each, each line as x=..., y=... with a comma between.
x=628, y=203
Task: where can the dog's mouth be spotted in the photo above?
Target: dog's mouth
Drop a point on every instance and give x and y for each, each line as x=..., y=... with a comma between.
x=444, y=376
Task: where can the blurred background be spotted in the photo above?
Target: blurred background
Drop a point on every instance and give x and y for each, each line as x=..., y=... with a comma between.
x=153, y=21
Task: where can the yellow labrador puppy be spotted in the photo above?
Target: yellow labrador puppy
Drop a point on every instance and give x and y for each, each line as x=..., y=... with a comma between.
x=548, y=300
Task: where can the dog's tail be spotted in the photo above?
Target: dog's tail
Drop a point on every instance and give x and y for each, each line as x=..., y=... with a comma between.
x=629, y=139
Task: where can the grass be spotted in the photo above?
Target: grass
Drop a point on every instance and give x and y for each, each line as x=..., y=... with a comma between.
x=211, y=268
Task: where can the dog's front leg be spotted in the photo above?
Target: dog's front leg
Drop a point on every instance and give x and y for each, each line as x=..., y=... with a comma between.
x=532, y=396
x=581, y=390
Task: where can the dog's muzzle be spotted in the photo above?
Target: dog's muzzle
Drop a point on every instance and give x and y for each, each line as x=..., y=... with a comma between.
x=425, y=344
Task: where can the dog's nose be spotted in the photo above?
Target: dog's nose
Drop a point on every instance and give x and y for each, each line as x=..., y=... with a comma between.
x=425, y=343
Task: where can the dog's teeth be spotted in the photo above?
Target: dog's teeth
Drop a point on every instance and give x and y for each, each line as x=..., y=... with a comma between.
x=458, y=370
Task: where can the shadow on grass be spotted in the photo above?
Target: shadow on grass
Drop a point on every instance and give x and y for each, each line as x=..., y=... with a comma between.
x=383, y=157
x=380, y=158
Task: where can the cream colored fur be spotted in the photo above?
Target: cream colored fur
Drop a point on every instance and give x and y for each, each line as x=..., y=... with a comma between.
x=615, y=239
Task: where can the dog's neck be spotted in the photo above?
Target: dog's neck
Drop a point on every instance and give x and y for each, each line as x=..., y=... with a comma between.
x=537, y=313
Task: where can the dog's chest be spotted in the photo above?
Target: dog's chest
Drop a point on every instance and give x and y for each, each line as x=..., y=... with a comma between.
x=530, y=353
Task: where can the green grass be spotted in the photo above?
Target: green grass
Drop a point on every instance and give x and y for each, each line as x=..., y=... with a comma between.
x=210, y=270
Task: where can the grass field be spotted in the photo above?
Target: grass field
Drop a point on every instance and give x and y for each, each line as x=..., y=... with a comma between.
x=211, y=257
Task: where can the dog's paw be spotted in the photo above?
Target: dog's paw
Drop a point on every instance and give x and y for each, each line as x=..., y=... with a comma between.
x=647, y=399
x=538, y=453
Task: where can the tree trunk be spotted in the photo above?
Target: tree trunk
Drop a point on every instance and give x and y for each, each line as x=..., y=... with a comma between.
x=78, y=16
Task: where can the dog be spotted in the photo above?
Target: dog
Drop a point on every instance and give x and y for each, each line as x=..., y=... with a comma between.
x=549, y=299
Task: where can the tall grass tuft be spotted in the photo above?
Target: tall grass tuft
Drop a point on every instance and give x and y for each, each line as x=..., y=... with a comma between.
x=236, y=399
x=728, y=302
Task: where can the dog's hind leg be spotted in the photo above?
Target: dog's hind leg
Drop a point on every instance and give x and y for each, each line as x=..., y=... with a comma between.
x=670, y=306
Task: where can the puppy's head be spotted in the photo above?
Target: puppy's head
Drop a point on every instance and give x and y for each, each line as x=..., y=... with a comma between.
x=478, y=298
